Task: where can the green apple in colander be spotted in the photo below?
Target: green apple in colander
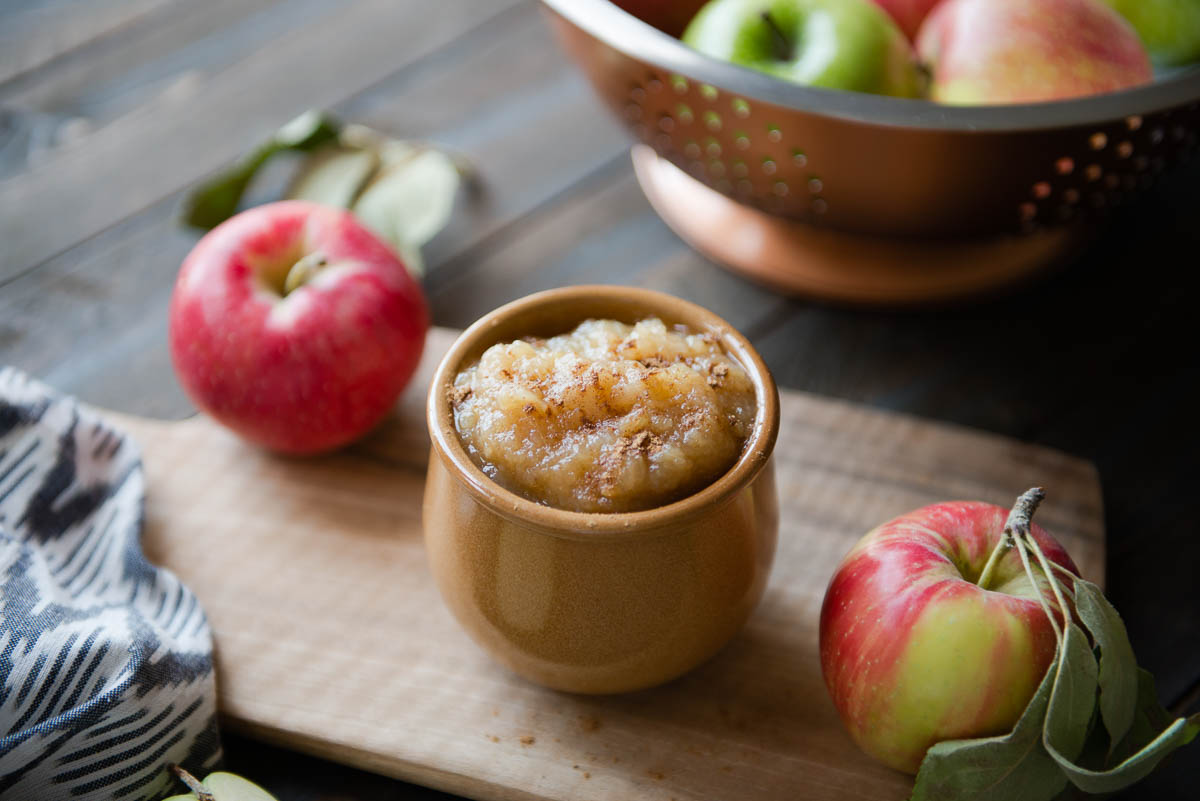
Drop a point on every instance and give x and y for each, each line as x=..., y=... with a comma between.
x=1170, y=29
x=834, y=44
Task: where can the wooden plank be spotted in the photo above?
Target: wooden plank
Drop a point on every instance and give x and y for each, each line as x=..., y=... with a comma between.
x=65, y=102
x=335, y=542
x=92, y=320
x=177, y=138
x=34, y=32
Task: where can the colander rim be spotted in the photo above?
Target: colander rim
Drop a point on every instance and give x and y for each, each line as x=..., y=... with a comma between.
x=628, y=34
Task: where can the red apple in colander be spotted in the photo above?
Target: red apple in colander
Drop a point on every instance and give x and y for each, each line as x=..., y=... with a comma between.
x=1028, y=51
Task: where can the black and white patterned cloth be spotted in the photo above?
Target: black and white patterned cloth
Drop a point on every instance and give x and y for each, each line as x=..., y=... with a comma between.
x=106, y=668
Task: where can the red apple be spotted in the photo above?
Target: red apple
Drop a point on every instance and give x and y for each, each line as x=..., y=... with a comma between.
x=914, y=651
x=1029, y=51
x=908, y=13
x=295, y=326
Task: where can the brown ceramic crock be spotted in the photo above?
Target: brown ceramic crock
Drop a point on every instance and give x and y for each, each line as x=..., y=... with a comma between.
x=594, y=602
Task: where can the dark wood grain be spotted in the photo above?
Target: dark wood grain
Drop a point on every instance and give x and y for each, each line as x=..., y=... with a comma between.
x=179, y=136
x=168, y=52
x=38, y=31
x=110, y=109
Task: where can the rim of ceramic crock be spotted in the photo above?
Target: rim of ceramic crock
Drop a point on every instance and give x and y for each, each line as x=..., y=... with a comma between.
x=603, y=525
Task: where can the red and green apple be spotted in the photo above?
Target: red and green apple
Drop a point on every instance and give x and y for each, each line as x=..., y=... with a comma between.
x=295, y=326
x=920, y=644
x=1028, y=51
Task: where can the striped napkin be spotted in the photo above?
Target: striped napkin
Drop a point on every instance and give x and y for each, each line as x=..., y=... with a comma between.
x=106, y=671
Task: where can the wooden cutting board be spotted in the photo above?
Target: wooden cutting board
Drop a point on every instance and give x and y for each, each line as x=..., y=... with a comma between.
x=331, y=637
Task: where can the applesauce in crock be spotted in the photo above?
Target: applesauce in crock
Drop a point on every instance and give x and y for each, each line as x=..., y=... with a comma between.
x=607, y=418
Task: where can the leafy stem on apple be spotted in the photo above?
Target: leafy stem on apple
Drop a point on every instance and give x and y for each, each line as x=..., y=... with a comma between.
x=1023, y=552
x=1055, y=585
x=1095, y=720
x=1019, y=520
x=198, y=789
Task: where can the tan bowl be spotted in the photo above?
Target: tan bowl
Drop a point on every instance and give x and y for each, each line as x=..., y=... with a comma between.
x=599, y=603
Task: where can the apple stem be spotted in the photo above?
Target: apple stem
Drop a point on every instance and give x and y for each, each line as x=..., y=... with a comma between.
x=1020, y=519
x=1017, y=524
x=195, y=785
x=1055, y=584
x=783, y=48
x=303, y=270
x=1022, y=549
x=1001, y=548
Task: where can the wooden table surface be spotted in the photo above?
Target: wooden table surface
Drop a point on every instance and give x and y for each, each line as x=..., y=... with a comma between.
x=111, y=109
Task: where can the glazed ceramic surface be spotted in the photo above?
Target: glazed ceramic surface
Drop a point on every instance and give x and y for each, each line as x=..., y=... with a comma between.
x=599, y=603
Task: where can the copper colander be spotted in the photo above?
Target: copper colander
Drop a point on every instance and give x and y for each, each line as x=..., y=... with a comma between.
x=869, y=165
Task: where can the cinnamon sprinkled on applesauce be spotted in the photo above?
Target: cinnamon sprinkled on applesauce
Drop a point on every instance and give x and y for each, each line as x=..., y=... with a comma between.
x=606, y=418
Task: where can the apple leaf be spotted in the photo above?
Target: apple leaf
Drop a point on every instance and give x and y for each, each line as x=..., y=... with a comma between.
x=1118, y=666
x=1000, y=768
x=1149, y=719
x=403, y=191
x=1151, y=737
x=217, y=199
x=334, y=175
x=410, y=197
x=1073, y=698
